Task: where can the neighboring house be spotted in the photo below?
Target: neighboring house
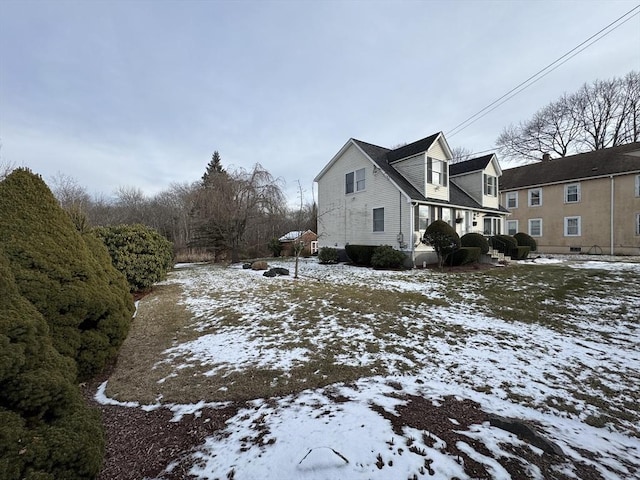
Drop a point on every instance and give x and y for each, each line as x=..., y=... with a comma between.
x=588, y=203
x=371, y=195
x=308, y=238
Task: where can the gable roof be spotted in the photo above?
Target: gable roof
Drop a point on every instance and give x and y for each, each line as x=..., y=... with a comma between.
x=472, y=165
x=412, y=148
x=294, y=235
x=605, y=162
x=380, y=157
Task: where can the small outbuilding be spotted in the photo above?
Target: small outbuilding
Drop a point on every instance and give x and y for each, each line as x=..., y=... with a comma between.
x=308, y=238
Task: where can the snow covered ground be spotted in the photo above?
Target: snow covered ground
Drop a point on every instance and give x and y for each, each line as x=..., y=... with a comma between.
x=574, y=372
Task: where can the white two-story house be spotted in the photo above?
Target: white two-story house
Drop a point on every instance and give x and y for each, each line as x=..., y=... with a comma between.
x=371, y=195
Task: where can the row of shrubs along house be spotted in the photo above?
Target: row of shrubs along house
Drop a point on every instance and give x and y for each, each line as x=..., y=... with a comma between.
x=371, y=195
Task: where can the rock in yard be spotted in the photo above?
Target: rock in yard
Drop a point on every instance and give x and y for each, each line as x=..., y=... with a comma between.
x=269, y=273
x=246, y=266
x=280, y=271
x=527, y=432
x=260, y=265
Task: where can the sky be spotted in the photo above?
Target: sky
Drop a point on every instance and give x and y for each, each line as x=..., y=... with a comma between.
x=141, y=93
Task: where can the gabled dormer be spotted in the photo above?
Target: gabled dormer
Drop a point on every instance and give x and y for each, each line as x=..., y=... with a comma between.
x=425, y=164
x=479, y=178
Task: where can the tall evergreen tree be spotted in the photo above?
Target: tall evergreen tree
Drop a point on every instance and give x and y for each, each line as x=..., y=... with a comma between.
x=214, y=168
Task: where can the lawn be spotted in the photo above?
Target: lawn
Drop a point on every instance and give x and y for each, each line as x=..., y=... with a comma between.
x=349, y=372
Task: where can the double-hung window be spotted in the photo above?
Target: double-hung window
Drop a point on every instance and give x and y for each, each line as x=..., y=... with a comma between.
x=436, y=172
x=637, y=190
x=572, y=226
x=512, y=227
x=637, y=223
x=572, y=193
x=535, y=197
x=378, y=219
x=535, y=227
x=490, y=185
x=355, y=181
x=512, y=199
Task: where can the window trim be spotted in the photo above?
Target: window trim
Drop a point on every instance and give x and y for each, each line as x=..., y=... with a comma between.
x=490, y=185
x=637, y=191
x=638, y=224
x=566, y=193
x=529, y=195
x=355, y=184
x=373, y=220
x=529, y=227
x=507, y=222
x=566, y=226
x=443, y=171
x=511, y=196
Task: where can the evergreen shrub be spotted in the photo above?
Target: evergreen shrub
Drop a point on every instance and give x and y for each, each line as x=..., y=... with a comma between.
x=328, y=255
x=520, y=252
x=464, y=256
x=360, y=254
x=475, y=240
x=386, y=257
x=525, y=239
x=139, y=252
x=68, y=277
x=503, y=243
x=47, y=431
x=443, y=238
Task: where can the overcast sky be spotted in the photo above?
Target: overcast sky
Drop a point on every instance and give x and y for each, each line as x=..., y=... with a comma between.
x=140, y=93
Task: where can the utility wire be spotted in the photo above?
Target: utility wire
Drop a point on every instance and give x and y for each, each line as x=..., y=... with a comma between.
x=545, y=71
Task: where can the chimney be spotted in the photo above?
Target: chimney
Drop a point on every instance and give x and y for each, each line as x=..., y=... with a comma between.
x=546, y=157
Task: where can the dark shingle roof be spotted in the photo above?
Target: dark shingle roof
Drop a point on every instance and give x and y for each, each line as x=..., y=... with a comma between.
x=473, y=165
x=380, y=156
x=413, y=148
x=600, y=163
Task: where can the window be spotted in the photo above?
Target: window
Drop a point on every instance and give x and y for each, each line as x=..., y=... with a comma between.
x=572, y=193
x=535, y=227
x=436, y=172
x=512, y=199
x=491, y=226
x=512, y=227
x=421, y=217
x=572, y=226
x=637, y=223
x=490, y=185
x=378, y=219
x=535, y=197
x=354, y=181
x=637, y=185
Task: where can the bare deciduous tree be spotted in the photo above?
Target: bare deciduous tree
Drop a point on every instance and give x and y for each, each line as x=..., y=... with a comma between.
x=599, y=115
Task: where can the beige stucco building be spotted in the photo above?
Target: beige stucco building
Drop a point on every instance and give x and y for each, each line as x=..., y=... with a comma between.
x=586, y=203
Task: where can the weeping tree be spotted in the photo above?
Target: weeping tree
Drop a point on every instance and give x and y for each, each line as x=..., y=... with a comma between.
x=227, y=204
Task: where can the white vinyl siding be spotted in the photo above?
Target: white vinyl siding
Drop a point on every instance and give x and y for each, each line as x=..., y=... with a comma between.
x=512, y=199
x=572, y=193
x=512, y=227
x=535, y=197
x=535, y=227
x=572, y=226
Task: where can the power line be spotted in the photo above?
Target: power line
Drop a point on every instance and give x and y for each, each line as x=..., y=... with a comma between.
x=545, y=71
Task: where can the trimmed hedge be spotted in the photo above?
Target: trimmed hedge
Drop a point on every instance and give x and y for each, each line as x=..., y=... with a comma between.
x=520, y=252
x=328, y=255
x=443, y=238
x=464, y=256
x=360, y=254
x=503, y=243
x=525, y=239
x=46, y=429
x=139, y=252
x=386, y=257
x=475, y=240
x=67, y=277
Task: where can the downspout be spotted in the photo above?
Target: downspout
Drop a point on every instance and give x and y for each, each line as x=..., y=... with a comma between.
x=412, y=229
x=611, y=214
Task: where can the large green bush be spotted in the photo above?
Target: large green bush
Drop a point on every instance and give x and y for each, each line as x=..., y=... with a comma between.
x=443, y=238
x=46, y=429
x=386, y=257
x=66, y=276
x=475, y=240
x=503, y=243
x=464, y=256
x=139, y=252
x=328, y=255
x=526, y=240
x=520, y=252
x=360, y=254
